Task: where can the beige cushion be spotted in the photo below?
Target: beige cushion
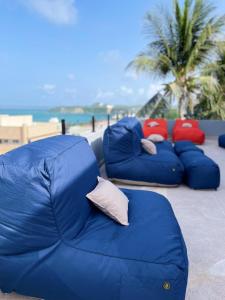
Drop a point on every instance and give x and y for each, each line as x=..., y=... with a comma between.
x=187, y=125
x=153, y=124
x=156, y=137
x=109, y=199
x=149, y=146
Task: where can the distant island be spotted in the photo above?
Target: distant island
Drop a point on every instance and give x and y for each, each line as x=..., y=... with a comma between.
x=97, y=108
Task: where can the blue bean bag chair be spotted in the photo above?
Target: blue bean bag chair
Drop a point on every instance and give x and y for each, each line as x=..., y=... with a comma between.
x=201, y=172
x=222, y=141
x=126, y=160
x=55, y=245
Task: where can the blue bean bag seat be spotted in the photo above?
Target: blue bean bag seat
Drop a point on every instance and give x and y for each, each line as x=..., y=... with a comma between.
x=222, y=141
x=201, y=172
x=126, y=160
x=55, y=245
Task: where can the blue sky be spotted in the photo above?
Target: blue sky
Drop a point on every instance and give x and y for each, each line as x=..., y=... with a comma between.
x=66, y=52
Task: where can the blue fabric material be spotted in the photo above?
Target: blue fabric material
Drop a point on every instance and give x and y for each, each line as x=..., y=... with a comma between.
x=201, y=172
x=164, y=146
x=126, y=159
x=55, y=245
x=222, y=141
x=46, y=168
x=132, y=123
x=184, y=146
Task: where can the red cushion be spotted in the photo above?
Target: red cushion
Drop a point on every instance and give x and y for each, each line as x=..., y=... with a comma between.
x=161, y=129
x=194, y=135
x=194, y=123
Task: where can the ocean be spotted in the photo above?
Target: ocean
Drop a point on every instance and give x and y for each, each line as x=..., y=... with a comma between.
x=41, y=115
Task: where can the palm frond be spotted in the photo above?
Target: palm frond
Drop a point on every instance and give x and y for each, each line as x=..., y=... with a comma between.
x=181, y=45
x=143, y=63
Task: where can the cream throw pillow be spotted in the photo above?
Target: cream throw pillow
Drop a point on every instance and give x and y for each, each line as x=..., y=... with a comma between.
x=109, y=199
x=153, y=124
x=149, y=146
x=187, y=125
x=156, y=138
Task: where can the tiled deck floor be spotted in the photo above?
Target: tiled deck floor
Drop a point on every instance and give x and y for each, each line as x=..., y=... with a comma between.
x=201, y=215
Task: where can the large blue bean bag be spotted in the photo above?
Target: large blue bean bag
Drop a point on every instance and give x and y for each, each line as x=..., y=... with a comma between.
x=55, y=245
x=126, y=160
x=201, y=172
x=222, y=141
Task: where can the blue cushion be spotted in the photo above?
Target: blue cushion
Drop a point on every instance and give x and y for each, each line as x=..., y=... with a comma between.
x=55, y=245
x=222, y=141
x=133, y=124
x=164, y=168
x=183, y=146
x=201, y=172
x=29, y=176
x=120, y=143
x=125, y=158
x=165, y=145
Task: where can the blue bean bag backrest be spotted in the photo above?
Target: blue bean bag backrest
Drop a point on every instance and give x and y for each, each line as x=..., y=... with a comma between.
x=43, y=187
x=133, y=124
x=122, y=140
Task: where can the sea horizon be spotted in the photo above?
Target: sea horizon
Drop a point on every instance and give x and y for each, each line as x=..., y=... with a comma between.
x=45, y=115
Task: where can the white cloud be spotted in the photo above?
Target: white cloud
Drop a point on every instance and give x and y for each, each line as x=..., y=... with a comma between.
x=48, y=88
x=111, y=56
x=104, y=94
x=136, y=94
x=71, y=76
x=131, y=74
x=56, y=11
x=126, y=91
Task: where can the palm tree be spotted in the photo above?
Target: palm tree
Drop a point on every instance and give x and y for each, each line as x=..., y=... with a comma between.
x=156, y=107
x=212, y=104
x=180, y=44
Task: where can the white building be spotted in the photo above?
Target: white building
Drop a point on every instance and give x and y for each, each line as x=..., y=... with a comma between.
x=16, y=121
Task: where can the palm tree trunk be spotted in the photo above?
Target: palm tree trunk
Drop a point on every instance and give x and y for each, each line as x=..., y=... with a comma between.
x=182, y=107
